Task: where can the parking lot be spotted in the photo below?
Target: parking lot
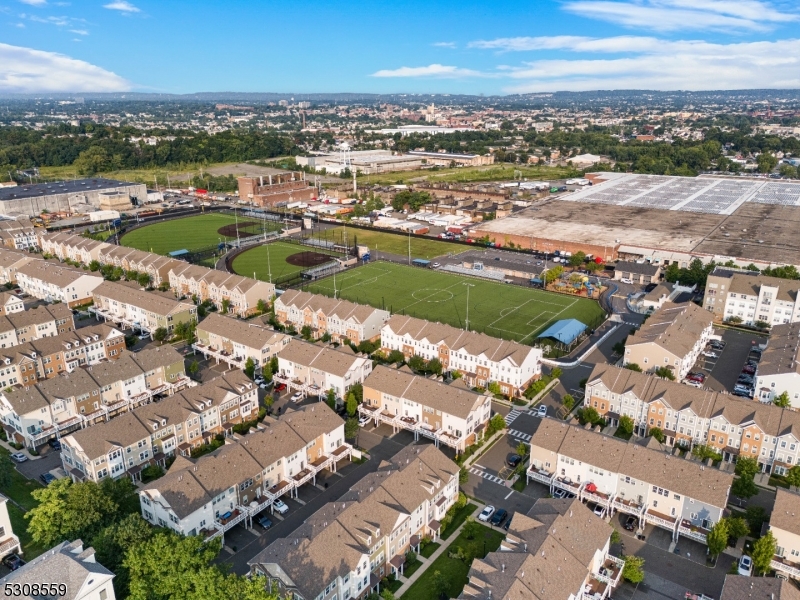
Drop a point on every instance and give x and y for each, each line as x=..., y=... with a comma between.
x=723, y=371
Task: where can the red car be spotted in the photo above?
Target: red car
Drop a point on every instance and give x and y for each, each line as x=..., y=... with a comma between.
x=279, y=387
x=698, y=377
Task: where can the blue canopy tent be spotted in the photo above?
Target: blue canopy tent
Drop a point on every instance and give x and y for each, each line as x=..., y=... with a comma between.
x=565, y=331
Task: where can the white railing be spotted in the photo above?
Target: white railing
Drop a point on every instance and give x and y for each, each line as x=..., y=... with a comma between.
x=540, y=476
x=695, y=535
x=9, y=545
x=783, y=567
x=649, y=518
x=629, y=509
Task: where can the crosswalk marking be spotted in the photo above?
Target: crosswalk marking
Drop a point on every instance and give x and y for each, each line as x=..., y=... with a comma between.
x=485, y=475
x=520, y=435
x=511, y=416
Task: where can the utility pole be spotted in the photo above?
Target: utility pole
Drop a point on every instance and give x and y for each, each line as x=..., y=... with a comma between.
x=409, y=247
x=236, y=218
x=269, y=265
x=469, y=285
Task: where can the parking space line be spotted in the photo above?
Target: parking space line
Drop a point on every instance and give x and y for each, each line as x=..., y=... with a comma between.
x=520, y=435
x=511, y=416
x=508, y=495
x=487, y=476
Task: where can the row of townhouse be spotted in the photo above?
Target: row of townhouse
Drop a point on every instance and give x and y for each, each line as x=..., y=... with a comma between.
x=688, y=416
x=338, y=318
x=137, y=309
x=239, y=294
x=233, y=341
x=209, y=495
x=784, y=522
x=751, y=297
x=673, y=337
x=151, y=433
x=10, y=303
x=344, y=549
x=313, y=369
x=559, y=550
x=452, y=415
x=51, y=281
x=18, y=233
x=479, y=358
x=9, y=543
x=636, y=478
x=53, y=407
x=779, y=370
x=34, y=324
x=49, y=357
x=11, y=261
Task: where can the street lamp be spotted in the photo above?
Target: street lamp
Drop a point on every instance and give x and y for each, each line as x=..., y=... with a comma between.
x=469, y=285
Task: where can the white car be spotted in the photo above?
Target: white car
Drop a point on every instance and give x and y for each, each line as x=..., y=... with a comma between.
x=486, y=513
x=19, y=457
x=280, y=506
x=363, y=420
x=710, y=354
x=745, y=566
x=542, y=411
x=627, y=280
x=297, y=396
x=600, y=511
x=436, y=265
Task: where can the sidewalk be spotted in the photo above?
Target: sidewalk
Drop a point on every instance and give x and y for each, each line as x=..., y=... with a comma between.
x=426, y=562
x=13, y=450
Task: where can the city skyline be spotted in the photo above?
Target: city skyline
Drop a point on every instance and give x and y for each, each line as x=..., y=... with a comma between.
x=448, y=47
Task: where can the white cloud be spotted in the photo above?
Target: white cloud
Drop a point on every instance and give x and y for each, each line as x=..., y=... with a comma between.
x=25, y=70
x=122, y=6
x=20, y=25
x=668, y=65
x=445, y=44
x=673, y=15
x=573, y=43
x=79, y=31
x=434, y=70
x=34, y=2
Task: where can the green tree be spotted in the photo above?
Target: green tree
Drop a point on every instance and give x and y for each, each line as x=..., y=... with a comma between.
x=305, y=331
x=250, y=367
x=577, y=259
x=553, y=273
x=91, y=161
x=330, y=398
x=471, y=528
x=657, y=434
x=495, y=388
x=496, y=423
x=351, y=428
x=792, y=476
x=766, y=162
x=69, y=511
x=763, y=550
x=665, y=373
x=434, y=366
x=144, y=280
x=633, y=367
x=94, y=266
x=416, y=363
x=755, y=517
x=262, y=306
x=113, y=542
x=395, y=356
x=737, y=527
x=783, y=400
x=193, y=368
x=746, y=467
x=522, y=449
x=625, y=425
x=463, y=476
x=619, y=348
x=266, y=372
x=717, y=538
x=588, y=414
x=633, y=571
x=744, y=488
x=568, y=401
x=160, y=334
x=555, y=372
x=352, y=405
x=439, y=583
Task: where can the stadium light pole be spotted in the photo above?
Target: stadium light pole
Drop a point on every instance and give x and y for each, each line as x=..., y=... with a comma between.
x=469, y=285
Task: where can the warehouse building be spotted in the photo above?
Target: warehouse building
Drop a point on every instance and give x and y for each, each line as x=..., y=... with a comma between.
x=65, y=196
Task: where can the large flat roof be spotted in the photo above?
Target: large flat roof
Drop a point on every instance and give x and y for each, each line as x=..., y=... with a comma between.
x=60, y=187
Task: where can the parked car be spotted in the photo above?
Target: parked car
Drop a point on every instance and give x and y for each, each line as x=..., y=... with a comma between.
x=627, y=280
x=698, y=377
x=745, y=566
x=709, y=354
x=513, y=460
x=280, y=506
x=542, y=412
x=749, y=370
x=486, y=513
x=47, y=478
x=717, y=344
x=630, y=524
x=559, y=494
x=258, y=379
x=55, y=444
x=599, y=511
x=297, y=396
x=264, y=521
x=363, y=420
x=499, y=516
x=19, y=457
x=13, y=562
x=279, y=387
x=436, y=265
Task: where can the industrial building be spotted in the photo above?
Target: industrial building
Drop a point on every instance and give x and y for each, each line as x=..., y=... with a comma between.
x=366, y=161
x=69, y=196
x=273, y=190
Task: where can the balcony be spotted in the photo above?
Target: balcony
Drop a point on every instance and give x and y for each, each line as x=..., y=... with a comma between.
x=686, y=529
x=279, y=489
x=8, y=545
x=784, y=566
x=541, y=475
x=611, y=571
x=220, y=355
x=590, y=492
x=228, y=520
x=303, y=476
x=566, y=484
x=629, y=507
x=662, y=520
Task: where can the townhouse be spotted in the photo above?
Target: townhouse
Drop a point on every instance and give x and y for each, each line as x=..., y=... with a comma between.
x=233, y=341
x=778, y=370
x=637, y=478
x=11, y=262
x=70, y=565
x=36, y=323
x=643, y=273
x=18, y=233
x=559, y=550
x=49, y=357
x=132, y=307
x=314, y=369
x=9, y=303
x=344, y=549
x=784, y=523
x=53, y=282
x=452, y=414
x=673, y=337
x=741, y=587
x=52, y=407
x=9, y=543
x=209, y=495
x=227, y=291
x=151, y=433
x=479, y=358
x=338, y=318
x=73, y=247
x=688, y=416
x=751, y=297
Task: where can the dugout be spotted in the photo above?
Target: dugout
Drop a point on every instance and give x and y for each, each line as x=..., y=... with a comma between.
x=421, y=262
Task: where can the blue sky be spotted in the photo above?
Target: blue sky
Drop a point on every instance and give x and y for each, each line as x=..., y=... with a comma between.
x=444, y=46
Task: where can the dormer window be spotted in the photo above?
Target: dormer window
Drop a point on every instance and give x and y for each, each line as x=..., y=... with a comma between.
x=155, y=426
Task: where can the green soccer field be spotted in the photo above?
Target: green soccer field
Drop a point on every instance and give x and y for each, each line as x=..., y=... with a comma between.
x=421, y=246
x=190, y=233
x=497, y=309
x=270, y=259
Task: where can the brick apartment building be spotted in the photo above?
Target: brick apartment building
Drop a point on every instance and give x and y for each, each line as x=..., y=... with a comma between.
x=275, y=189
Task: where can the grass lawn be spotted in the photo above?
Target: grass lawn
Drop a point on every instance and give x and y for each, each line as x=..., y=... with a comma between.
x=428, y=550
x=191, y=233
x=138, y=175
x=408, y=571
x=467, y=174
x=270, y=258
x=497, y=309
x=421, y=246
x=458, y=518
x=454, y=570
x=19, y=493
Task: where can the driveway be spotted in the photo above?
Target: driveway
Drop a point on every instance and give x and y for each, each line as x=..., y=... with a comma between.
x=724, y=371
x=32, y=469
